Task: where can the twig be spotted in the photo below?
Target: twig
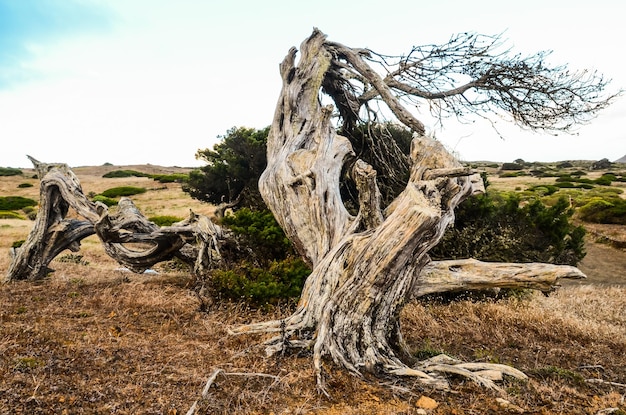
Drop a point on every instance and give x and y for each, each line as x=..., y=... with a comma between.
x=605, y=382
x=262, y=375
x=205, y=391
x=209, y=382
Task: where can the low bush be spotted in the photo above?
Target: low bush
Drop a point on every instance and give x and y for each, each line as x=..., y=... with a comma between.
x=7, y=214
x=17, y=244
x=544, y=190
x=512, y=174
x=606, y=179
x=73, y=259
x=260, y=231
x=15, y=202
x=281, y=281
x=123, y=191
x=165, y=220
x=512, y=166
x=496, y=227
x=124, y=173
x=103, y=199
x=261, y=266
x=10, y=171
x=171, y=178
x=24, y=185
x=600, y=210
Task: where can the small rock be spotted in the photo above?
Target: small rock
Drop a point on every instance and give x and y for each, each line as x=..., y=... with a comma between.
x=421, y=411
x=607, y=411
x=504, y=404
x=424, y=402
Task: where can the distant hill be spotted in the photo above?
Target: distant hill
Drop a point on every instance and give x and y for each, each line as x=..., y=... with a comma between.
x=622, y=160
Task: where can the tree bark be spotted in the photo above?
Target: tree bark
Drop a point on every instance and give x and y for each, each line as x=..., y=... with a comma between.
x=127, y=235
x=367, y=266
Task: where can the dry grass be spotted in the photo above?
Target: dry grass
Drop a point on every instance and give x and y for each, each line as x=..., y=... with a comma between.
x=92, y=339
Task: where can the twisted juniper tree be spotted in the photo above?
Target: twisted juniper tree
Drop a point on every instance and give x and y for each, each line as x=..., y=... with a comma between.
x=369, y=260
x=367, y=264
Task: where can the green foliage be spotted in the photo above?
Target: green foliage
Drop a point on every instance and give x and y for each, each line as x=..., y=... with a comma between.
x=560, y=374
x=495, y=227
x=15, y=202
x=124, y=173
x=73, y=259
x=233, y=169
x=7, y=214
x=103, y=199
x=282, y=280
x=171, y=178
x=24, y=185
x=606, y=179
x=10, y=171
x=260, y=231
x=512, y=166
x=544, y=190
x=600, y=210
x=427, y=350
x=123, y=191
x=513, y=174
x=164, y=220
x=161, y=178
x=17, y=244
x=261, y=267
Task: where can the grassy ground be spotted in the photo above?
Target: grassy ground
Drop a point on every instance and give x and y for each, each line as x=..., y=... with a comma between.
x=94, y=339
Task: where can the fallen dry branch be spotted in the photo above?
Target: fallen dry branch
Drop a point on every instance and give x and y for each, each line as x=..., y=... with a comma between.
x=127, y=235
x=211, y=380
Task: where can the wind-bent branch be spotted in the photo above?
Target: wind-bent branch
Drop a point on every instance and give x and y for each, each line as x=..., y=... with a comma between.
x=366, y=266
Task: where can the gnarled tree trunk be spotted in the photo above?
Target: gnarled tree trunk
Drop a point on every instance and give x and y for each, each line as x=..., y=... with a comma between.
x=195, y=240
x=365, y=266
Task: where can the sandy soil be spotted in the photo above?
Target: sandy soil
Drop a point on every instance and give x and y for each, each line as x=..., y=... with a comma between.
x=603, y=265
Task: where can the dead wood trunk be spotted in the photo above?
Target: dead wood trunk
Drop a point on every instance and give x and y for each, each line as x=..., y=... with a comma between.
x=127, y=235
x=367, y=266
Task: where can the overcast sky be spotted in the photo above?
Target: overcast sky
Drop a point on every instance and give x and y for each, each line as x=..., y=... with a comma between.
x=88, y=82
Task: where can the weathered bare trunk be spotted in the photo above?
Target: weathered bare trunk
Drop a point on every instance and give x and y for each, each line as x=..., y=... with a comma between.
x=194, y=240
x=365, y=267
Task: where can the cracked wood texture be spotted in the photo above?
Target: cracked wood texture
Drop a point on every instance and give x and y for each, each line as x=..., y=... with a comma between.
x=368, y=265
x=126, y=235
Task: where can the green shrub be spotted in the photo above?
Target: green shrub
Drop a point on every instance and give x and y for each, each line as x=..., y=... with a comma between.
x=260, y=231
x=123, y=191
x=15, y=202
x=164, y=220
x=103, y=199
x=512, y=174
x=544, y=190
x=73, y=259
x=124, y=173
x=171, y=178
x=511, y=166
x=24, y=185
x=260, y=264
x=7, y=214
x=17, y=244
x=283, y=280
x=495, y=227
x=606, y=179
x=10, y=171
x=599, y=210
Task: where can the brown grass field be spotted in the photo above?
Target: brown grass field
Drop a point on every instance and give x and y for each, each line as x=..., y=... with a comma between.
x=93, y=339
